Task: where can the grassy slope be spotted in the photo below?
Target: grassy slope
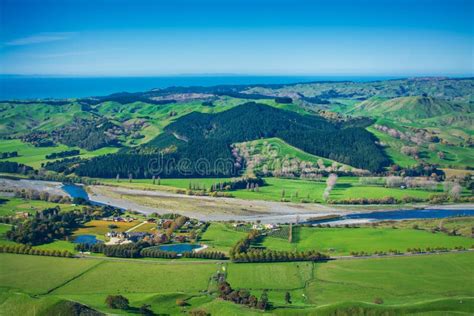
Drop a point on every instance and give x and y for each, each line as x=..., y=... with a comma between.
x=33, y=274
x=274, y=148
x=339, y=241
x=455, y=155
x=397, y=280
x=147, y=278
x=13, y=205
x=451, y=121
x=336, y=283
x=220, y=237
x=23, y=118
x=35, y=156
x=407, y=108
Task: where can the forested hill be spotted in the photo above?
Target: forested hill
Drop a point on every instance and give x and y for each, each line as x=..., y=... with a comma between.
x=199, y=136
x=313, y=134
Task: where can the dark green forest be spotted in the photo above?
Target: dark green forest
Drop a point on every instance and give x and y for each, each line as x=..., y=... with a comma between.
x=200, y=145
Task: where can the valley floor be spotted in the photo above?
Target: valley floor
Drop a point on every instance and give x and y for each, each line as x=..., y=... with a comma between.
x=30, y=287
x=225, y=209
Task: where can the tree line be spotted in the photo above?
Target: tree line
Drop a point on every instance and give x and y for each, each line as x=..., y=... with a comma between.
x=243, y=297
x=144, y=250
x=10, y=154
x=51, y=223
x=242, y=252
x=14, y=167
x=63, y=154
x=27, y=250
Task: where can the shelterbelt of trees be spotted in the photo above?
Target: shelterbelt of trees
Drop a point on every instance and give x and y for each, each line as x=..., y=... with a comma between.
x=199, y=144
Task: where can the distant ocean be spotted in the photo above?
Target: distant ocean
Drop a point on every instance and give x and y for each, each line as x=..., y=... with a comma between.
x=42, y=87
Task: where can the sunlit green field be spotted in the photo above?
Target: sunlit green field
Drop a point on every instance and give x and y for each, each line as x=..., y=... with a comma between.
x=342, y=241
x=396, y=280
x=34, y=156
x=221, y=237
x=404, y=284
x=293, y=190
x=11, y=205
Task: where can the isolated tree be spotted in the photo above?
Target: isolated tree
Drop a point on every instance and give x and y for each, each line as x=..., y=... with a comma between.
x=455, y=191
x=330, y=183
x=287, y=298
x=117, y=302
x=153, y=179
x=117, y=177
x=145, y=310
x=263, y=302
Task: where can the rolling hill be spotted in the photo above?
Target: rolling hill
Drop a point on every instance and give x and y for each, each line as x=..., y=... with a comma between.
x=204, y=140
x=411, y=109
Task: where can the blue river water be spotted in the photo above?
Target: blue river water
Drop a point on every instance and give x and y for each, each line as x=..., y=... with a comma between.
x=78, y=191
x=411, y=214
x=41, y=87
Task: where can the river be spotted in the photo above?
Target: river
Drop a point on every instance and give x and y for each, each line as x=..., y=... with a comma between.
x=221, y=209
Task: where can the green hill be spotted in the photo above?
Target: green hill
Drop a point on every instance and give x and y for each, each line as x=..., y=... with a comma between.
x=414, y=108
x=198, y=136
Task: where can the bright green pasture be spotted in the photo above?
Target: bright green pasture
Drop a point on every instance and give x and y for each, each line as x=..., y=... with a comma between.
x=346, y=188
x=60, y=245
x=401, y=280
x=417, y=284
x=295, y=190
x=276, y=276
x=35, y=156
x=165, y=184
x=341, y=241
x=141, y=277
x=221, y=237
x=13, y=205
x=36, y=274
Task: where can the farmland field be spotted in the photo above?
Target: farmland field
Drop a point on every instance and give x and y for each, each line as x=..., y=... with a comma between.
x=34, y=275
x=141, y=278
x=11, y=205
x=395, y=280
x=277, y=276
x=100, y=227
x=320, y=287
x=341, y=241
x=221, y=237
x=34, y=156
x=294, y=190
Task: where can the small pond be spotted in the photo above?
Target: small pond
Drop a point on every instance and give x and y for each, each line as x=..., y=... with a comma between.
x=179, y=248
x=86, y=239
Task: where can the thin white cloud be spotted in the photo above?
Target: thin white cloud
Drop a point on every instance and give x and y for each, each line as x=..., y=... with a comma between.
x=62, y=54
x=40, y=38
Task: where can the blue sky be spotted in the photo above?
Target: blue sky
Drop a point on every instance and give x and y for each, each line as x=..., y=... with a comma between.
x=135, y=38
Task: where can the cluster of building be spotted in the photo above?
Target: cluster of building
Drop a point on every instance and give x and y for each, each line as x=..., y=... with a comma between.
x=157, y=236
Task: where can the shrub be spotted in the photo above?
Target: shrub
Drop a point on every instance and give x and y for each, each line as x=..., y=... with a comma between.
x=181, y=302
x=117, y=302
